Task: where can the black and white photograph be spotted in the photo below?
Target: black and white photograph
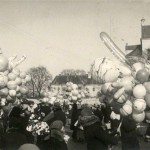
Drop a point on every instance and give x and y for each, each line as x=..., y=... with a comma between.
x=74, y=75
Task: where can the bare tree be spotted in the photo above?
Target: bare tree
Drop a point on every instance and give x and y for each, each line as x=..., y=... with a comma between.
x=40, y=80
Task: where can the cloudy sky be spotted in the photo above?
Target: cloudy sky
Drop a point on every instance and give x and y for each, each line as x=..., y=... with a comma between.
x=65, y=34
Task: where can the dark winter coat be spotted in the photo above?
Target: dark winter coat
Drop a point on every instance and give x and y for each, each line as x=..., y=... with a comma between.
x=56, y=115
x=96, y=137
x=74, y=115
x=55, y=144
x=128, y=134
x=14, y=138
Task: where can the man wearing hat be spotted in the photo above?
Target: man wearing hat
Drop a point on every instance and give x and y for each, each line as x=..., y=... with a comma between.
x=96, y=137
x=56, y=114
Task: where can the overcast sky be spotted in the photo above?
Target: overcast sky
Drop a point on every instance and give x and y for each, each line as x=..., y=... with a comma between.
x=65, y=34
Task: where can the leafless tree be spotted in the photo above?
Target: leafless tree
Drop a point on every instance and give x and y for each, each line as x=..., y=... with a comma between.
x=40, y=80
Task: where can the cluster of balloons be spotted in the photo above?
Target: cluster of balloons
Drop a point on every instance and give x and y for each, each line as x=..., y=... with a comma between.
x=130, y=93
x=72, y=92
x=12, y=80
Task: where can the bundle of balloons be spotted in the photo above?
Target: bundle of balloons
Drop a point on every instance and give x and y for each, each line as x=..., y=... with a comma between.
x=73, y=93
x=12, y=80
x=126, y=89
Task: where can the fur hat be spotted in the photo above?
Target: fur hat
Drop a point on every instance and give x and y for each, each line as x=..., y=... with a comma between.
x=56, y=105
x=86, y=111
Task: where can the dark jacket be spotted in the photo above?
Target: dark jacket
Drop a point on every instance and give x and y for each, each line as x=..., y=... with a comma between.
x=55, y=144
x=96, y=137
x=128, y=134
x=57, y=115
x=14, y=138
x=74, y=115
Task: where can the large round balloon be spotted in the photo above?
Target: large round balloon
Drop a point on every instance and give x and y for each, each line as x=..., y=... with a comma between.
x=4, y=92
x=11, y=85
x=138, y=117
x=142, y=75
x=126, y=109
x=128, y=82
x=23, y=90
x=11, y=76
x=139, y=105
x=139, y=91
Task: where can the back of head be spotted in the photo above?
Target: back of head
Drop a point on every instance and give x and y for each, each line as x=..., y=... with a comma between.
x=57, y=125
x=56, y=106
x=28, y=147
x=87, y=111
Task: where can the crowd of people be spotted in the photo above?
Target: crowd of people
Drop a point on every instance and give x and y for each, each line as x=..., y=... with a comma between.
x=99, y=126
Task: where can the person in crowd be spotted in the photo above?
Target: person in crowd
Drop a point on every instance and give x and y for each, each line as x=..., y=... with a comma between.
x=97, y=111
x=56, y=114
x=115, y=119
x=45, y=108
x=28, y=147
x=16, y=135
x=76, y=111
x=129, y=138
x=96, y=137
x=57, y=141
x=19, y=114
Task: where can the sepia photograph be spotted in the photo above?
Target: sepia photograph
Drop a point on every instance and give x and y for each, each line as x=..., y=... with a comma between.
x=74, y=74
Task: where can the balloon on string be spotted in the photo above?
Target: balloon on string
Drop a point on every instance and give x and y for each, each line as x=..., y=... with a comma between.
x=142, y=75
x=139, y=105
x=4, y=92
x=16, y=71
x=138, y=117
x=12, y=93
x=22, y=75
x=11, y=85
x=11, y=76
x=23, y=90
x=18, y=81
x=139, y=91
